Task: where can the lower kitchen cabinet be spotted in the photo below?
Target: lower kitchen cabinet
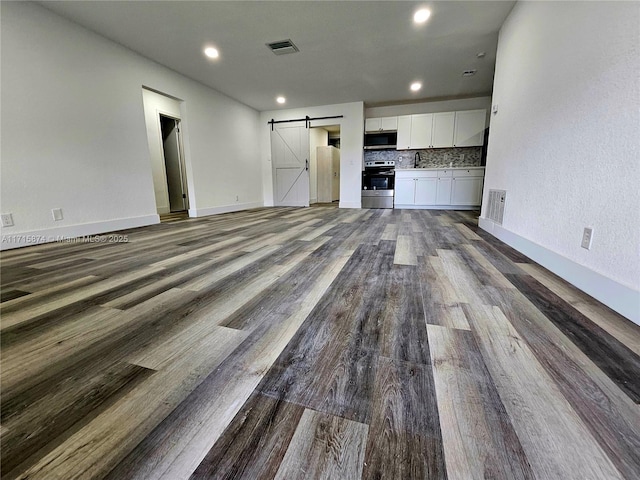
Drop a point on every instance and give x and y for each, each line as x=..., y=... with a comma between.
x=466, y=191
x=438, y=188
x=426, y=190
x=405, y=191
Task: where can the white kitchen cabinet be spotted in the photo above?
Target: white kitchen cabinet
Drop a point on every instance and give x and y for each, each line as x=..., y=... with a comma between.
x=443, y=128
x=414, y=131
x=421, y=128
x=426, y=190
x=466, y=188
x=405, y=190
x=404, y=132
x=439, y=188
x=469, y=128
x=381, y=124
x=443, y=196
x=440, y=130
x=415, y=187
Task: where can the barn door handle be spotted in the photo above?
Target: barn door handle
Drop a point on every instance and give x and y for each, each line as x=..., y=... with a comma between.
x=306, y=164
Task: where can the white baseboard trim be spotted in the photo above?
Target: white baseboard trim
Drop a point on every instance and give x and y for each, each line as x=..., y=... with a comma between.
x=35, y=237
x=437, y=207
x=350, y=204
x=619, y=297
x=236, y=207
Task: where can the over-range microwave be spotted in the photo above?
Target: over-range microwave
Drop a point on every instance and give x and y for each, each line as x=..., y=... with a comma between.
x=380, y=140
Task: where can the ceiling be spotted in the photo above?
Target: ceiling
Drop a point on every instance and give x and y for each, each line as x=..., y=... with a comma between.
x=349, y=50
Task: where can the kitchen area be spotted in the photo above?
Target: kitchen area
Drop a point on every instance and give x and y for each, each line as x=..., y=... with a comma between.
x=425, y=160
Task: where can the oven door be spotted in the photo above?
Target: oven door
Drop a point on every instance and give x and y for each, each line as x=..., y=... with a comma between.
x=378, y=180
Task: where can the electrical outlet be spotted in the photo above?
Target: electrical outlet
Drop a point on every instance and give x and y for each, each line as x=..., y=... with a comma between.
x=237, y=198
x=7, y=220
x=57, y=214
x=462, y=157
x=587, y=237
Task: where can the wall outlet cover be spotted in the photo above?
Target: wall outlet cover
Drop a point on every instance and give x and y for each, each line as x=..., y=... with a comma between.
x=587, y=237
x=7, y=220
x=57, y=214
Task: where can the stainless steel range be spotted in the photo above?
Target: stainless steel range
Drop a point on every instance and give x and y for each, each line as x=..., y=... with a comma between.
x=378, y=182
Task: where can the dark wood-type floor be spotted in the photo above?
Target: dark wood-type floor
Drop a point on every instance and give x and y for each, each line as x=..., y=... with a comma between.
x=310, y=343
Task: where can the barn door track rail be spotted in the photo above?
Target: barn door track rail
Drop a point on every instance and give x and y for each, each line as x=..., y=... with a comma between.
x=307, y=120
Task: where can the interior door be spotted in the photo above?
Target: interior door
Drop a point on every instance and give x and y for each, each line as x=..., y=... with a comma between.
x=290, y=163
x=176, y=184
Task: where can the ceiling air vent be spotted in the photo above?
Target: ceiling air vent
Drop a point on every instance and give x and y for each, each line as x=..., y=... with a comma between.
x=283, y=47
x=469, y=73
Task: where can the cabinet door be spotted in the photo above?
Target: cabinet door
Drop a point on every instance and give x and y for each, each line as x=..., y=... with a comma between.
x=372, y=125
x=469, y=128
x=426, y=191
x=405, y=191
x=443, y=124
x=466, y=191
x=389, y=123
x=404, y=132
x=444, y=191
x=421, y=126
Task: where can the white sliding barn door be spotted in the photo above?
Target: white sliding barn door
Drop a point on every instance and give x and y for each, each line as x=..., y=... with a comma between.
x=290, y=160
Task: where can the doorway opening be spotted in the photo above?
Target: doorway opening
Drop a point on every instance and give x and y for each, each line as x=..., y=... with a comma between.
x=174, y=165
x=325, y=164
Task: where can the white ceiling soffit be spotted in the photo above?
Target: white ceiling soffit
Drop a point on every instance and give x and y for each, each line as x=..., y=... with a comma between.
x=348, y=50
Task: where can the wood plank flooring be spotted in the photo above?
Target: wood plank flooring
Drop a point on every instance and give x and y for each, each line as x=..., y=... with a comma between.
x=315, y=343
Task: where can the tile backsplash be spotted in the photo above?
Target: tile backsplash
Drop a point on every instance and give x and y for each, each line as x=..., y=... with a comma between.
x=429, y=158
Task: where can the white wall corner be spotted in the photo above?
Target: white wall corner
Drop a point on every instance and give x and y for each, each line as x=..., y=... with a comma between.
x=619, y=297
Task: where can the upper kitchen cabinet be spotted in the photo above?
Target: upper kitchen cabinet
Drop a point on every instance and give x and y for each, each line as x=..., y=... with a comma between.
x=414, y=131
x=421, y=126
x=443, y=128
x=382, y=124
x=404, y=132
x=469, y=128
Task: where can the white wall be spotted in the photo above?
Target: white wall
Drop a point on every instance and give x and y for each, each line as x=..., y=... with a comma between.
x=74, y=135
x=318, y=137
x=351, y=146
x=565, y=144
x=154, y=105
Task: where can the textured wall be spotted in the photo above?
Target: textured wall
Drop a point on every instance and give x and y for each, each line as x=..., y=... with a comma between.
x=565, y=144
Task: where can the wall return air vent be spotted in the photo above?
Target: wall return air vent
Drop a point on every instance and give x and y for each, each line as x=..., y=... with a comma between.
x=283, y=47
x=497, y=199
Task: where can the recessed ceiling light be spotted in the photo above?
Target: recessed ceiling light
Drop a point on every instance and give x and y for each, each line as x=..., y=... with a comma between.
x=469, y=73
x=481, y=54
x=211, y=52
x=422, y=15
x=415, y=86
x=281, y=99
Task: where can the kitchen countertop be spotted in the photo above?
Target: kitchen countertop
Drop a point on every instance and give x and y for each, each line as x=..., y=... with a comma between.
x=439, y=168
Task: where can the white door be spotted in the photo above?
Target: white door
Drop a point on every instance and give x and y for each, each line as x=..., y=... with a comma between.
x=290, y=160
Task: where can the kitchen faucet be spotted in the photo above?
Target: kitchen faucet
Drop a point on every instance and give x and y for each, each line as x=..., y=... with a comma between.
x=416, y=157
